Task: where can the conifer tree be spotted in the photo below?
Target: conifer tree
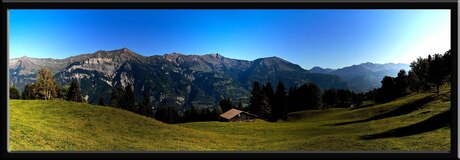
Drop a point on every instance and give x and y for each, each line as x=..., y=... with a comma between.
x=256, y=97
x=436, y=73
x=225, y=104
x=100, y=101
x=146, y=105
x=74, y=93
x=269, y=93
x=402, y=83
x=28, y=92
x=280, y=108
x=218, y=111
x=130, y=102
x=195, y=114
x=265, y=108
x=330, y=97
x=14, y=93
x=116, y=97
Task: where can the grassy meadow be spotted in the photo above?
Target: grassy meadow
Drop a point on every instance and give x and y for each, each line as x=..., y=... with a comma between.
x=417, y=122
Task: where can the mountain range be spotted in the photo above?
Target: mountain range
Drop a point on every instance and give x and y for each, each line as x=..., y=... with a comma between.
x=365, y=76
x=181, y=80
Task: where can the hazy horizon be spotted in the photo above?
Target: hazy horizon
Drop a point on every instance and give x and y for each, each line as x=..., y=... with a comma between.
x=325, y=38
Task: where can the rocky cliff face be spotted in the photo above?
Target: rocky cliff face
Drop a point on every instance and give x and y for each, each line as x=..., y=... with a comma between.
x=172, y=79
x=24, y=70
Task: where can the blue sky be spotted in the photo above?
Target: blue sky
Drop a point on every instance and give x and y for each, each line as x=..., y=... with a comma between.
x=326, y=38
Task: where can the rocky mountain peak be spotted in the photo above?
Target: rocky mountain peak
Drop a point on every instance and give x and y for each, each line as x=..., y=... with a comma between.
x=119, y=55
x=215, y=55
x=125, y=50
x=276, y=62
x=272, y=59
x=173, y=56
x=318, y=69
x=24, y=57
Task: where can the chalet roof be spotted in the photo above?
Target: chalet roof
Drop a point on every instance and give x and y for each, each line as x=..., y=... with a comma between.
x=230, y=113
x=233, y=112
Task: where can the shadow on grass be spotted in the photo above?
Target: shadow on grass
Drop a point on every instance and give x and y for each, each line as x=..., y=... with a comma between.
x=295, y=116
x=402, y=110
x=430, y=124
x=363, y=106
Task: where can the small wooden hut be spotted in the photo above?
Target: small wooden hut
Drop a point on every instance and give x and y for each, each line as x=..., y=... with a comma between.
x=234, y=115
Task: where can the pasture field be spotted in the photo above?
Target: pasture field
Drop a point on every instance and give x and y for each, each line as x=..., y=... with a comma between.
x=417, y=122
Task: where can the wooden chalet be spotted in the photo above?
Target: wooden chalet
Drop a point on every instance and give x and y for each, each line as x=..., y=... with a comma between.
x=234, y=115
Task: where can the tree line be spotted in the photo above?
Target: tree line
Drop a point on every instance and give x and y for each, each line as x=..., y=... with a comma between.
x=425, y=75
x=267, y=103
x=274, y=105
x=123, y=98
x=46, y=88
x=192, y=114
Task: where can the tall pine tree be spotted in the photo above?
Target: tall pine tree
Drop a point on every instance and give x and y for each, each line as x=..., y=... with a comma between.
x=146, y=105
x=225, y=104
x=28, y=92
x=292, y=106
x=436, y=73
x=116, y=97
x=419, y=69
x=256, y=98
x=448, y=65
x=265, y=108
x=14, y=93
x=269, y=93
x=330, y=97
x=130, y=101
x=280, y=108
x=74, y=91
x=100, y=101
x=402, y=83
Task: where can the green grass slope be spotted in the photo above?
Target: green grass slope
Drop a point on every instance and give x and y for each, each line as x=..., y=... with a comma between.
x=62, y=125
x=417, y=122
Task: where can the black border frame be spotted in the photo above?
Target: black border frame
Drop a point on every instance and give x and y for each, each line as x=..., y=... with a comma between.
x=453, y=6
